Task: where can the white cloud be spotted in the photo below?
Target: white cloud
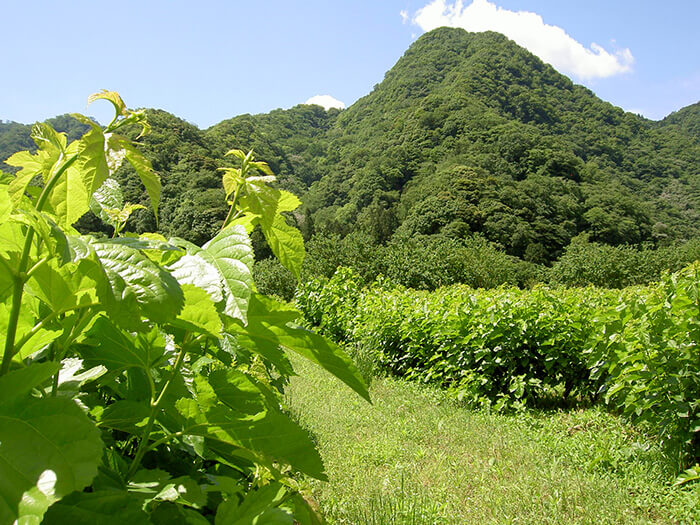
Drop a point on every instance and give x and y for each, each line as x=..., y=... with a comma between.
x=326, y=101
x=551, y=43
x=404, y=16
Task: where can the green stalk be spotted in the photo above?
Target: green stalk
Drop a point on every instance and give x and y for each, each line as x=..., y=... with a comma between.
x=233, y=207
x=155, y=404
x=21, y=277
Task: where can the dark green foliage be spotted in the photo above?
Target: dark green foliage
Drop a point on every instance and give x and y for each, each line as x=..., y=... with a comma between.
x=475, y=134
x=635, y=349
x=468, y=133
x=585, y=263
x=274, y=279
x=419, y=261
x=15, y=137
x=429, y=262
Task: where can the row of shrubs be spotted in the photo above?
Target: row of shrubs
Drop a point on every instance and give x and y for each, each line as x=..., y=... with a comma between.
x=635, y=349
x=429, y=262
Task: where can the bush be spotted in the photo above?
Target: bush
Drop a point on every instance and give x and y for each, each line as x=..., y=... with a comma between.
x=429, y=262
x=585, y=263
x=507, y=347
x=645, y=349
x=274, y=279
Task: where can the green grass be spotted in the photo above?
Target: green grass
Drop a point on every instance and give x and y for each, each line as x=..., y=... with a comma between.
x=414, y=457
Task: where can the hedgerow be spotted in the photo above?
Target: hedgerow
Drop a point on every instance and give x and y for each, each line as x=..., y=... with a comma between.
x=634, y=349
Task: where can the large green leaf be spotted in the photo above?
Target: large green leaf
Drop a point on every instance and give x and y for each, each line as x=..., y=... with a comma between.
x=138, y=286
x=126, y=416
x=5, y=203
x=226, y=259
x=92, y=162
x=199, y=314
x=258, y=507
x=107, y=345
x=106, y=507
x=287, y=202
x=241, y=392
x=70, y=198
x=194, y=270
x=268, y=330
x=260, y=199
x=56, y=242
x=66, y=287
x=286, y=243
x=35, y=339
x=31, y=166
x=269, y=434
x=18, y=383
x=48, y=449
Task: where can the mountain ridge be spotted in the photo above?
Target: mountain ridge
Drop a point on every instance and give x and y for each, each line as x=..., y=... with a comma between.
x=467, y=133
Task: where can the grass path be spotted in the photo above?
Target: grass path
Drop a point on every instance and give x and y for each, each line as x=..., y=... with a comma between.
x=414, y=457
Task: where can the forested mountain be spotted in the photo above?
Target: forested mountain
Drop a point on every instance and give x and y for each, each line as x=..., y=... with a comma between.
x=471, y=133
x=467, y=133
x=15, y=137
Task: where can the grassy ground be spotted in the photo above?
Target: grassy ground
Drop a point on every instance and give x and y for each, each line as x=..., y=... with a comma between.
x=413, y=457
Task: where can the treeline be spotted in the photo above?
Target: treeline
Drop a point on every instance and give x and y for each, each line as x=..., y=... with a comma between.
x=427, y=262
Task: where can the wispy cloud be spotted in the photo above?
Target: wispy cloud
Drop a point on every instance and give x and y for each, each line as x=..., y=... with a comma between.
x=551, y=43
x=326, y=101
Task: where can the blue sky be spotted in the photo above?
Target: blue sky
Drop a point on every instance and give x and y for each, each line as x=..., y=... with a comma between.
x=209, y=60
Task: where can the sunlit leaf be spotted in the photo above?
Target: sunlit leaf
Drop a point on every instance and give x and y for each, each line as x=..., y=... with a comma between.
x=31, y=166
x=267, y=331
x=112, y=97
x=228, y=259
x=49, y=448
x=199, y=314
x=137, y=283
x=286, y=243
x=5, y=203
x=91, y=163
x=287, y=202
x=70, y=198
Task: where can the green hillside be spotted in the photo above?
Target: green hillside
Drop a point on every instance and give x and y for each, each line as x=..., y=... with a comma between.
x=467, y=133
x=471, y=133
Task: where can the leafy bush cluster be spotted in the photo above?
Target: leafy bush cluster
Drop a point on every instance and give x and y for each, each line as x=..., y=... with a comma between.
x=634, y=349
x=423, y=262
x=585, y=263
x=646, y=350
x=139, y=376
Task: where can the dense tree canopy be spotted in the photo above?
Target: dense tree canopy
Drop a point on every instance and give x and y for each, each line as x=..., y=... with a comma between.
x=467, y=134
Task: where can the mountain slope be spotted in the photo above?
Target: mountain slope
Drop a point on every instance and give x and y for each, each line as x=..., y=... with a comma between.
x=473, y=133
x=467, y=133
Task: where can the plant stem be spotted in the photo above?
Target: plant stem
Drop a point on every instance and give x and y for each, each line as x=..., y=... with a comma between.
x=233, y=207
x=21, y=276
x=143, y=444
